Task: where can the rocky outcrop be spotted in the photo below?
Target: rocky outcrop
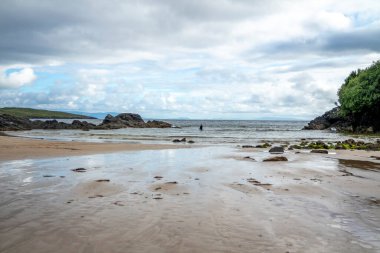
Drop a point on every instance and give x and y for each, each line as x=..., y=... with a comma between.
x=12, y=123
x=124, y=120
x=157, y=124
x=330, y=119
x=54, y=124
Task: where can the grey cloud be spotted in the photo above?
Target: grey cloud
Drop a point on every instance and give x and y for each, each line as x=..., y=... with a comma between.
x=35, y=31
x=360, y=39
x=356, y=41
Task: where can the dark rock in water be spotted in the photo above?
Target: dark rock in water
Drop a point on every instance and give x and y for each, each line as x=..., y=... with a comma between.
x=172, y=182
x=276, y=150
x=249, y=158
x=122, y=120
x=247, y=146
x=79, y=170
x=330, y=119
x=102, y=180
x=190, y=142
x=276, y=159
x=181, y=140
x=319, y=151
x=157, y=124
x=12, y=123
x=83, y=125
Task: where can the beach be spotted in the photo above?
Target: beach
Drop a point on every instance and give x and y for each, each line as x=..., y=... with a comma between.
x=114, y=197
x=13, y=148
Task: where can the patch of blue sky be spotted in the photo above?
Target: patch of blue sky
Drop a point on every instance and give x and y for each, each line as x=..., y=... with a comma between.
x=12, y=70
x=46, y=80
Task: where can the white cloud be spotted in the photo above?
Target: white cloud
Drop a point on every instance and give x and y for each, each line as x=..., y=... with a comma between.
x=179, y=57
x=16, y=78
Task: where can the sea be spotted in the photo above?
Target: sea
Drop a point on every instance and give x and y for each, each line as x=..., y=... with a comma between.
x=215, y=132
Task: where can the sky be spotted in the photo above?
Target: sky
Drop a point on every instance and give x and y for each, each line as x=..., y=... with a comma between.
x=220, y=59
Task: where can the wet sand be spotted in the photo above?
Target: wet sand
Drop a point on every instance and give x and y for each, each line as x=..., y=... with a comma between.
x=13, y=148
x=206, y=199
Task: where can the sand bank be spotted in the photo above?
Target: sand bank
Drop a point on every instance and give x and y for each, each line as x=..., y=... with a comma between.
x=12, y=148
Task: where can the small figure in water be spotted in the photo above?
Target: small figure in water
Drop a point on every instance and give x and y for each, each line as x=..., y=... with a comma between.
x=201, y=127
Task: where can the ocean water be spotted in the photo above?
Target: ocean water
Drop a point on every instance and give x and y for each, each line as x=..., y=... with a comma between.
x=240, y=132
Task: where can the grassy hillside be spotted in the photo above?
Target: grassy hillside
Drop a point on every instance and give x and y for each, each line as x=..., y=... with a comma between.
x=40, y=114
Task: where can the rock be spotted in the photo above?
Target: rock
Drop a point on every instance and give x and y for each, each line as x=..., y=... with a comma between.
x=102, y=180
x=247, y=146
x=190, y=142
x=157, y=124
x=125, y=120
x=122, y=120
x=330, y=119
x=12, y=123
x=276, y=159
x=79, y=170
x=172, y=182
x=249, y=158
x=276, y=150
x=320, y=151
x=179, y=140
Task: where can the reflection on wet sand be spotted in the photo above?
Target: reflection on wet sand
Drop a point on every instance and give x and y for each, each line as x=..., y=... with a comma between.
x=358, y=164
x=188, y=200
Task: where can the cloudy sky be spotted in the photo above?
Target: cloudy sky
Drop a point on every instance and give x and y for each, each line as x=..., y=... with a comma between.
x=220, y=59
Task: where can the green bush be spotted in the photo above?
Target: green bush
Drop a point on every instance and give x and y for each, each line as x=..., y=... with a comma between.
x=359, y=96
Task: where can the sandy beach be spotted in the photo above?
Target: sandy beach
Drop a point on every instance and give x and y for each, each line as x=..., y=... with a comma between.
x=159, y=198
x=12, y=148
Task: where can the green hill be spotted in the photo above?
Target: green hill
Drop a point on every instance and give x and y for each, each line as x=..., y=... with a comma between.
x=40, y=114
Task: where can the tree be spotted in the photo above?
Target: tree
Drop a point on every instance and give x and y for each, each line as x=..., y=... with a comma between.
x=359, y=97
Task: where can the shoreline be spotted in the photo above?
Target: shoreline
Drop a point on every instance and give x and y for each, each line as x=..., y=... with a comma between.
x=15, y=148
x=18, y=147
